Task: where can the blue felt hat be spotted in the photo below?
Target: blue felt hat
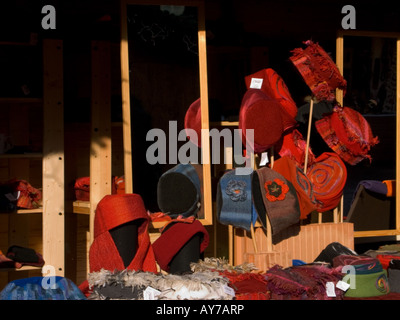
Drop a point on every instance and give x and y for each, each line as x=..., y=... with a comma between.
x=234, y=200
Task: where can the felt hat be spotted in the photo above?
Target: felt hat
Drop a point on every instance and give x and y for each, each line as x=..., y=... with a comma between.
x=193, y=121
x=179, y=191
x=113, y=211
x=367, y=278
x=234, y=200
x=173, y=239
x=304, y=189
x=273, y=85
x=294, y=146
x=318, y=71
x=35, y=288
x=328, y=175
x=274, y=197
x=263, y=114
x=347, y=133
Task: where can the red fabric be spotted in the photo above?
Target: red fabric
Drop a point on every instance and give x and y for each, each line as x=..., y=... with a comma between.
x=247, y=286
x=288, y=169
x=263, y=114
x=385, y=259
x=113, y=211
x=328, y=176
x=274, y=86
x=174, y=238
x=193, y=121
x=82, y=187
x=347, y=133
x=318, y=71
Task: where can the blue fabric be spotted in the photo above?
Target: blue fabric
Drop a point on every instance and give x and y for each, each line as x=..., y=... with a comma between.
x=371, y=185
x=234, y=200
x=40, y=288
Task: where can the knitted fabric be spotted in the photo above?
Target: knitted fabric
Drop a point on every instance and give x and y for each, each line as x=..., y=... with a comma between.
x=263, y=114
x=328, y=175
x=318, y=71
x=347, y=133
x=174, y=238
x=274, y=86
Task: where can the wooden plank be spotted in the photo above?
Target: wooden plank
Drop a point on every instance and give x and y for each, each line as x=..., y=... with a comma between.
x=126, y=100
x=100, y=147
x=53, y=160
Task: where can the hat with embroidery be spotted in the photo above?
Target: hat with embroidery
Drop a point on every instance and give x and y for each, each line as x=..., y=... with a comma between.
x=364, y=274
x=179, y=191
x=318, y=70
x=275, y=198
x=262, y=114
x=272, y=84
x=234, y=200
x=304, y=189
x=347, y=133
x=328, y=175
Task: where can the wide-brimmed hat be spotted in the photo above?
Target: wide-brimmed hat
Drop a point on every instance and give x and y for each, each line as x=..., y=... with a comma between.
x=328, y=175
x=179, y=191
x=347, y=133
x=272, y=84
x=234, y=200
x=318, y=71
x=304, y=189
x=275, y=199
x=263, y=114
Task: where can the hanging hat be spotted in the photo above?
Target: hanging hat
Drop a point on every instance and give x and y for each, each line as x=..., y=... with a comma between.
x=347, y=133
x=179, y=191
x=366, y=276
x=318, y=71
x=113, y=211
x=304, y=189
x=294, y=146
x=275, y=197
x=173, y=239
x=271, y=83
x=234, y=200
x=193, y=121
x=263, y=114
x=328, y=175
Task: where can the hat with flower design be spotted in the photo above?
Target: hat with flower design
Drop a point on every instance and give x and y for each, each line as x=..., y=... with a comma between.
x=234, y=199
x=275, y=198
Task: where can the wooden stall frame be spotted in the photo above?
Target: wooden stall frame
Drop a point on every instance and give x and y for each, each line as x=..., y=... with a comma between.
x=339, y=97
x=126, y=105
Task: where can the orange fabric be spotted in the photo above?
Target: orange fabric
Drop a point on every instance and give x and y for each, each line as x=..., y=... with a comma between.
x=391, y=187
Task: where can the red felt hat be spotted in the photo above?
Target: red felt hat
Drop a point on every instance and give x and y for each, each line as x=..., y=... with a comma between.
x=263, y=114
x=193, y=121
x=328, y=175
x=304, y=189
x=294, y=146
x=272, y=84
x=174, y=238
x=318, y=71
x=347, y=133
